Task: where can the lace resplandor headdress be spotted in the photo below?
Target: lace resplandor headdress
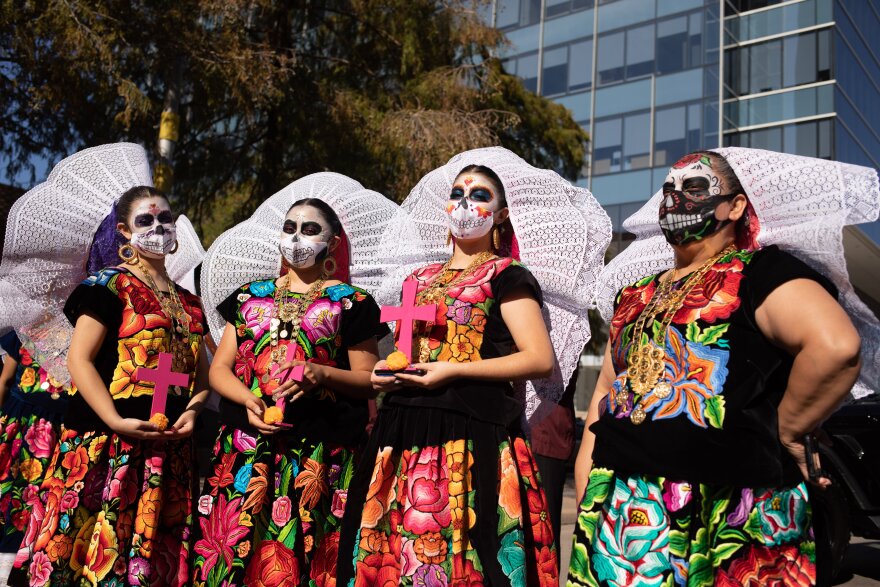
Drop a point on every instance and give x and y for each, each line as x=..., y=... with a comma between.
x=249, y=251
x=802, y=205
x=560, y=235
x=48, y=236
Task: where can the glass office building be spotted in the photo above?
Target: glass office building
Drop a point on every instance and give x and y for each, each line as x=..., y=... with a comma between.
x=653, y=79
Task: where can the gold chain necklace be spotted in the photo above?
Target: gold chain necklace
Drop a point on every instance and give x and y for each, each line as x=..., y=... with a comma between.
x=646, y=362
x=288, y=312
x=179, y=335
x=443, y=281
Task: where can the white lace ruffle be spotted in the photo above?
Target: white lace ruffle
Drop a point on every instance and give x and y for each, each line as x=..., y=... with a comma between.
x=249, y=251
x=802, y=205
x=562, y=234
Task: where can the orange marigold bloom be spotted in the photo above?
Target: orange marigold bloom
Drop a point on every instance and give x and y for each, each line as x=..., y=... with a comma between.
x=430, y=548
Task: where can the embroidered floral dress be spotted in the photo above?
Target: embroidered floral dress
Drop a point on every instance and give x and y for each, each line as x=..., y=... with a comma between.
x=29, y=422
x=113, y=510
x=447, y=491
x=702, y=492
x=270, y=513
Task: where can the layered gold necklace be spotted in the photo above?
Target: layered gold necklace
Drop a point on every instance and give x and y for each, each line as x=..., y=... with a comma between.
x=443, y=281
x=646, y=359
x=179, y=334
x=288, y=312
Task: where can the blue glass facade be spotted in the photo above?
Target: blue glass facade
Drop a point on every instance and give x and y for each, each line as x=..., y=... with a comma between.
x=653, y=79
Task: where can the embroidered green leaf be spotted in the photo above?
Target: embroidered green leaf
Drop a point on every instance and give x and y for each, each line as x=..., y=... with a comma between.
x=669, y=581
x=723, y=552
x=714, y=411
x=712, y=334
x=700, y=542
x=588, y=522
x=598, y=487
x=700, y=572
x=655, y=329
x=730, y=534
x=678, y=543
x=693, y=332
x=505, y=522
x=579, y=568
x=718, y=507
x=753, y=527
x=288, y=535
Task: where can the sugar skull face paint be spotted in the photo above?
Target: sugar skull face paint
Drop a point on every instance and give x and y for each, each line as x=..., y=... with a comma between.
x=153, y=232
x=691, y=194
x=304, y=237
x=471, y=207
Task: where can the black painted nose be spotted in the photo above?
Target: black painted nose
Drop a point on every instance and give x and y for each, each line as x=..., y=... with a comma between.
x=160, y=230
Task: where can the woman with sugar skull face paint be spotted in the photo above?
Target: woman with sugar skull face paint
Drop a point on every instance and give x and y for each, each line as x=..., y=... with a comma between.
x=447, y=491
x=114, y=468
x=293, y=369
x=693, y=463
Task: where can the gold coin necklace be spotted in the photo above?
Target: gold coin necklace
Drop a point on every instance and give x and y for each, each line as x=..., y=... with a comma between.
x=289, y=313
x=443, y=281
x=646, y=362
x=179, y=334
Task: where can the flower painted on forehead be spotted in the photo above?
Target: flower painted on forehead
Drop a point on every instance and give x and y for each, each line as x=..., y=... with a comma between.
x=692, y=158
x=468, y=180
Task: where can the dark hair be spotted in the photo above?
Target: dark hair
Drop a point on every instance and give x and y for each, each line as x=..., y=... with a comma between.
x=133, y=195
x=326, y=211
x=104, y=250
x=723, y=168
x=747, y=226
x=493, y=177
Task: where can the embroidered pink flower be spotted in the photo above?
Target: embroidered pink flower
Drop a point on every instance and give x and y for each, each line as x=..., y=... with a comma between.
x=221, y=532
x=123, y=488
x=206, y=504
x=676, y=495
x=69, y=500
x=243, y=442
x=256, y=313
x=337, y=506
x=40, y=439
x=281, y=511
x=30, y=494
x=40, y=569
x=244, y=362
x=427, y=493
x=321, y=321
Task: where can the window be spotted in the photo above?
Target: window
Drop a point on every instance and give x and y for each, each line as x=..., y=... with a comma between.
x=580, y=65
x=679, y=43
x=611, y=58
x=557, y=7
x=527, y=70
x=512, y=13
x=670, y=135
x=640, y=51
x=555, y=78
x=607, y=146
x=812, y=139
x=782, y=63
x=765, y=73
x=637, y=141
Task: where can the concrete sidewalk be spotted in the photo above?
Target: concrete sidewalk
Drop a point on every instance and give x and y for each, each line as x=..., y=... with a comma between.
x=861, y=567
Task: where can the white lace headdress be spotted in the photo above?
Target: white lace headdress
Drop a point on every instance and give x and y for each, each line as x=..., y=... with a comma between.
x=249, y=251
x=48, y=235
x=561, y=233
x=190, y=252
x=802, y=205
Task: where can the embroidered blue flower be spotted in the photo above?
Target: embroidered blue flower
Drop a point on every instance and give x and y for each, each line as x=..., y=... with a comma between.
x=339, y=291
x=64, y=522
x=243, y=477
x=263, y=288
x=102, y=277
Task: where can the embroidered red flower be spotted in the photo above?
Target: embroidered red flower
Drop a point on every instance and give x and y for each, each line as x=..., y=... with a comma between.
x=761, y=566
x=716, y=297
x=633, y=300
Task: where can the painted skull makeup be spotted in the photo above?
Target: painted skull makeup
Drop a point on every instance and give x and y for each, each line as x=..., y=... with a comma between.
x=691, y=193
x=153, y=232
x=471, y=208
x=304, y=237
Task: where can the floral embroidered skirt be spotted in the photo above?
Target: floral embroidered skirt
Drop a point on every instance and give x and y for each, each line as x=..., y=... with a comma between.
x=644, y=530
x=442, y=499
x=110, y=511
x=28, y=431
x=270, y=514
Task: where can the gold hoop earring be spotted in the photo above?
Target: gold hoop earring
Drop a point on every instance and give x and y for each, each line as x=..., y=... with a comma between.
x=496, y=237
x=329, y=266
x=128, y=253
x=176, y=246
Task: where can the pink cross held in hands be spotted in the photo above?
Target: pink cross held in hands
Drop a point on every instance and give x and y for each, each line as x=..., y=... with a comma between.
x=407, y=314
x=296, y=373
x=163, y=377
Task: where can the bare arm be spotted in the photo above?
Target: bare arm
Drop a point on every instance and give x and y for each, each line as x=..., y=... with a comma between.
x=584, y=461
x=185, y=424
x=224, y=381
x=802, y=318
x=354, y=382
x=88, y=335
x=533, y=359
x=7, y=376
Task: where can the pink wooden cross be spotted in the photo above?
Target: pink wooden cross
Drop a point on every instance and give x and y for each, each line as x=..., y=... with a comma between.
x=407, y=313
x=296, y=373
x=163, y=377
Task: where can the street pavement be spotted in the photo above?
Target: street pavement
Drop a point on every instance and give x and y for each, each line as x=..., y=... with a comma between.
x=861, y=567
